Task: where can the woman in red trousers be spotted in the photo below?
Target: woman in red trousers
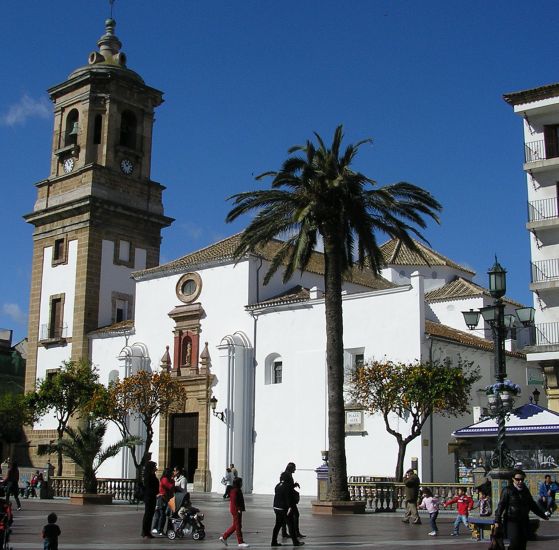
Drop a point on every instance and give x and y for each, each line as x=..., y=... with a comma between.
x=236, y=507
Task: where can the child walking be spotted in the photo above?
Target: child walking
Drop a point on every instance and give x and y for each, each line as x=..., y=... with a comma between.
x=431, y=504
x=236, y=507
x=464, y=504
x=51, y=532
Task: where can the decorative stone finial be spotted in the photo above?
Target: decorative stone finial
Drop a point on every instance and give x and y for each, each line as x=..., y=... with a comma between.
x=205, y=360
x=109, y=47
x=166, y=360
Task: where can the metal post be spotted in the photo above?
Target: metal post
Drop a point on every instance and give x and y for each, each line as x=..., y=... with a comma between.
x=501, y=458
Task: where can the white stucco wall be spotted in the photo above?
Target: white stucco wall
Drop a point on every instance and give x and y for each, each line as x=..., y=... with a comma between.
x=115, y=278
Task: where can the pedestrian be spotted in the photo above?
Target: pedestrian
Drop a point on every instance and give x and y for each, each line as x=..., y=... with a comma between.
x=180, y=480
x=12, y=483
x=236, y=507
x=464, y=503
x=51, y=532
x=431, y=504
x=6, y=520
x=233, y=470
x=514, y=508
x=151, y=488
x=411, y=495
x=294, y=497
x=166, y=492
x=227, y=480
x=283, y=509
x=547, y=493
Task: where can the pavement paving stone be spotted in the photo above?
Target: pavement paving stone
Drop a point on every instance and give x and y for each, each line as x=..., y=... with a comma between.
x=118, y=527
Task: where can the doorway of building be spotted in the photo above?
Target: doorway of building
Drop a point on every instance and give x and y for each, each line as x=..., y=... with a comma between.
x=184, y=443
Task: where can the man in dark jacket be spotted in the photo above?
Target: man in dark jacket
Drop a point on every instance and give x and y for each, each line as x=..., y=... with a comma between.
x=293, y=495
x=513, y=510
x=411, y=494
x=283, y=508
x=151, y=488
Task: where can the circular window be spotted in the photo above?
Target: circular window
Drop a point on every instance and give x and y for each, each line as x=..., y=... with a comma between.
x=188, y=287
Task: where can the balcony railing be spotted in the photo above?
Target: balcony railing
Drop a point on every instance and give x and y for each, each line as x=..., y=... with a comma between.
x=543, y=209
x=538, y=150
x=545, y=270
x=49, y=332
x=547, y=334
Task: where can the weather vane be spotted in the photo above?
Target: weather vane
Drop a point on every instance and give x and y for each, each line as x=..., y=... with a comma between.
x=111, y=3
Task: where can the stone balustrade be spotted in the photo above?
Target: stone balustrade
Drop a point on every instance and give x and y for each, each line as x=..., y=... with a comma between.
x=121, y=489
x=388, y=496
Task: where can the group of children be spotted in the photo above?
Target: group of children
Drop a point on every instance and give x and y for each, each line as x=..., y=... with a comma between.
x=464, y=504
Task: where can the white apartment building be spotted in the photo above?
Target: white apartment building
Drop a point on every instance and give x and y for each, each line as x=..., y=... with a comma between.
x=539, y=108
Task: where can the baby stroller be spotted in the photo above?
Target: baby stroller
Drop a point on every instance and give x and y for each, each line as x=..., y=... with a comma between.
x=185, y=520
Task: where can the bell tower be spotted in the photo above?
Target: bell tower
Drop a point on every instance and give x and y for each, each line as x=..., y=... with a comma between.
x=98, y=216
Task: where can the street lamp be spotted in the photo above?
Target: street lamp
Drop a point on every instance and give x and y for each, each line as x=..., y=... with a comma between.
x=222, y=415
x=500, y=402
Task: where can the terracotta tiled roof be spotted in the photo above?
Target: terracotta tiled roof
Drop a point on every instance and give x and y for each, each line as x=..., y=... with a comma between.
x=291, y=296
x=461, y=288
x=533, y=94
x=437, y=330
x=395, y=252
x=122, y=327
x=223, y=251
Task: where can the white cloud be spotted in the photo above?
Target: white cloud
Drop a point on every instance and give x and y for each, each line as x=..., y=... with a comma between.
x=26, y=108
x=14, y=312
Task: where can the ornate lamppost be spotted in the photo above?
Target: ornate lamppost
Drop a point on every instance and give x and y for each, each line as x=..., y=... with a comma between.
x=501, y=398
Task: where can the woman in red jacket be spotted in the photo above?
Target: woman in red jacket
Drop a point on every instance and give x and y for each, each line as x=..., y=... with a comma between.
x=236, y=507
x=166, y=492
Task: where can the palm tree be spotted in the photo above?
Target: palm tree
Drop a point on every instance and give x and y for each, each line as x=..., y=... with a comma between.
x=317, y=194
x=84, y=446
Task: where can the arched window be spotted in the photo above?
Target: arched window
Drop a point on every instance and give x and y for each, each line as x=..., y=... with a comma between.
x=97, y=129
x=273, y=371
x=71, y=134
x=128, y=129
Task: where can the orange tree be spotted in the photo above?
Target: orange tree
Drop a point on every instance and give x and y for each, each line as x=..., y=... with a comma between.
x=412, y=392
x=65, y=393
x=143, y=396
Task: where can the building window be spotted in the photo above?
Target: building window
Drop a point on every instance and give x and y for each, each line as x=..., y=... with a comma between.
x=56, y=318
x=123, y=253
x=551, y=137
x=277, y=368
x=97, y=129
x=128, y=129
x=71, y=134
x=121, y=307
x=353, y=359
x=59, y=251
x=188, y=287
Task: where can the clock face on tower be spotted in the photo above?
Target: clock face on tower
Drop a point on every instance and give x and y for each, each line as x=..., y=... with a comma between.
x=127, y=166
x=68, y=165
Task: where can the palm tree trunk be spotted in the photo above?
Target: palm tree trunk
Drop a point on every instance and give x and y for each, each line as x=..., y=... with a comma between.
x=335, y=368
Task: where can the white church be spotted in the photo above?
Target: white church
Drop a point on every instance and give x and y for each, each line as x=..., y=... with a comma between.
x=252, y=357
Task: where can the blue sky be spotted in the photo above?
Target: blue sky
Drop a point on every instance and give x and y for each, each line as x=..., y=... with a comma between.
x=246, y=79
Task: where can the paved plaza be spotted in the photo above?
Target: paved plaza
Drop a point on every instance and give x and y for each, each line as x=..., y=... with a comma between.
x=118, y=527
